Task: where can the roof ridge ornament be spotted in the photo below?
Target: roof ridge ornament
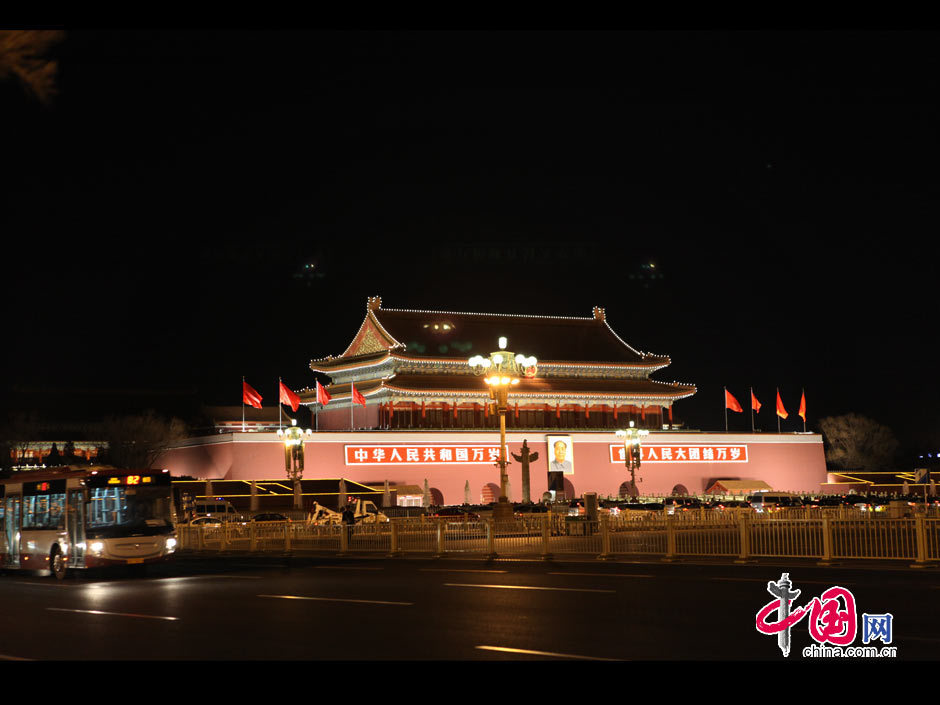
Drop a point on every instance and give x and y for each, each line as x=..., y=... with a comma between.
x=373, y=303
x=599, y=314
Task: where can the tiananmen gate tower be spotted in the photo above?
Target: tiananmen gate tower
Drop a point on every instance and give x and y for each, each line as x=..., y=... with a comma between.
x=427, y=419
x=411, y=368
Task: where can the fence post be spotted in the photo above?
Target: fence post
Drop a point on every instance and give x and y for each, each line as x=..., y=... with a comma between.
x=670, y=539
x=440, y=537
x=546, y=534
x=287, y=536
x=744, y=537
x=253, y=536
x=920, y=534
x=827, y=542
x=343, y=538
x=201, y=542
x=395, y=551
x=605, y=537
x=490, y=539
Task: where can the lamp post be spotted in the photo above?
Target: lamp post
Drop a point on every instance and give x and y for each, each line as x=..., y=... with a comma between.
x=293, y=438
x=631, y=451
x=502, y=370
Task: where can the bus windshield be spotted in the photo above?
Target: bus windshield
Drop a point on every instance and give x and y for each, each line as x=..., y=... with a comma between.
x=122, y=511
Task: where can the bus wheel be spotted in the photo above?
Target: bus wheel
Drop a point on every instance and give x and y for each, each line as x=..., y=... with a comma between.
x=58, y=563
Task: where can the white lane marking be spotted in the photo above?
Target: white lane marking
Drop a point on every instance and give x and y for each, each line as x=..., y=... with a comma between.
x=114, y=614
x=347, y=567
x=795, y=582
x=206, y=577
x=338, y=599
x=463, y=570
x=551, y=654
x=524, y=587
x=607, y=575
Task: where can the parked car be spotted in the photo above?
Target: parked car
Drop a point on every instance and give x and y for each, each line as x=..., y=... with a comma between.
x=207, y=521
x=732, y=505
x=216, y=508
x=681, y=504
x=455, y=511
x=269, y=516
x=638, y=510
x=774, y=501
x=530, y=508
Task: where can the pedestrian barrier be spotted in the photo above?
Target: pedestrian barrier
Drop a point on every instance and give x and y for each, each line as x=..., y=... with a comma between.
x=723, y=534
x=791, y=538
x=895, y=538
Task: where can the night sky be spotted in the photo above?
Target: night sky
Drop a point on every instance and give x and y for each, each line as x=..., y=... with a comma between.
x=158, y=215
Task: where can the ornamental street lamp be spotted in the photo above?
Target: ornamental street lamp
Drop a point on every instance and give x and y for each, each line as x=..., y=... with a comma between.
x=631, y=451
x=502, y=370
x=294, y=456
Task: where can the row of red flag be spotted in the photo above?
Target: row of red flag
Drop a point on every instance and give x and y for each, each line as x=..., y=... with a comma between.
x=732, y=403
x=251, y=397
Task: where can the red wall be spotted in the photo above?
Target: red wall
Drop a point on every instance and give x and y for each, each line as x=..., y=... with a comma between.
x=789, y=462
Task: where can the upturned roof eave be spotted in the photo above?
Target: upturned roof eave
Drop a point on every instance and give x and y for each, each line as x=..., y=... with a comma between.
x=369, y=359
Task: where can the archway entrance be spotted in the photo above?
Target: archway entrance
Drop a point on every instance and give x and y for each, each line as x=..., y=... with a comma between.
x=489, y=493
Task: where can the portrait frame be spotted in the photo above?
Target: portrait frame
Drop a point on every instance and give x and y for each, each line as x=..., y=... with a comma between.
x=569, y=452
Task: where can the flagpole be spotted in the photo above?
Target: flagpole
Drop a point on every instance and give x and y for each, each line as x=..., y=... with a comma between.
x=726, y=409
x=778, y=410
x=279, y=422
x=804, y=410
x=351, y=387
x=243, y=403
x=752, y=409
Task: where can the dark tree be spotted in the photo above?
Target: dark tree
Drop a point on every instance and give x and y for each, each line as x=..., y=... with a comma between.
x=138, y=441
x=858, y=442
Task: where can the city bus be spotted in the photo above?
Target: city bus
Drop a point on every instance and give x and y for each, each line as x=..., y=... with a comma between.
x=65, y=518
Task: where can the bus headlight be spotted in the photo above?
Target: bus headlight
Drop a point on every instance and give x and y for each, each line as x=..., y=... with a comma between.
x=171, y=544
x=96, y=547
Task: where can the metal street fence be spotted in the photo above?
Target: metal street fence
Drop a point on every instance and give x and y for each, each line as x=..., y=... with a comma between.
x=730, y=535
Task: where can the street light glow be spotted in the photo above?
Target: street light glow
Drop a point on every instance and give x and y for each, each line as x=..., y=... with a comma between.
x=507, y=369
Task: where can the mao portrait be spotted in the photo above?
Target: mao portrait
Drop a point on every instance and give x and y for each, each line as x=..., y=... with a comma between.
x=560, y=454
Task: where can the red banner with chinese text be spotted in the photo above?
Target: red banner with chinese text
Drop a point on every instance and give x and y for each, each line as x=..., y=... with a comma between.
x=403, y=454
x=684, y=453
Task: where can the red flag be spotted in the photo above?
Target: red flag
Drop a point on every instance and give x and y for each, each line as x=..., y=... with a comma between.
x=803, y=407
x=288, y=397
x=781, y=412
x=323, y=396
x=250, y=396
x=356, y=396
x=731, y=402
x=755, y=405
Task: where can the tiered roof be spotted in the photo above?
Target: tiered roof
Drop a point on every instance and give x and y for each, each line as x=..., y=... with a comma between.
x=446, y=339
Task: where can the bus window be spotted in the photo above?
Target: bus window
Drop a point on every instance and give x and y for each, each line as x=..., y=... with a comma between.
x=120, y=506
x=46, y=511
